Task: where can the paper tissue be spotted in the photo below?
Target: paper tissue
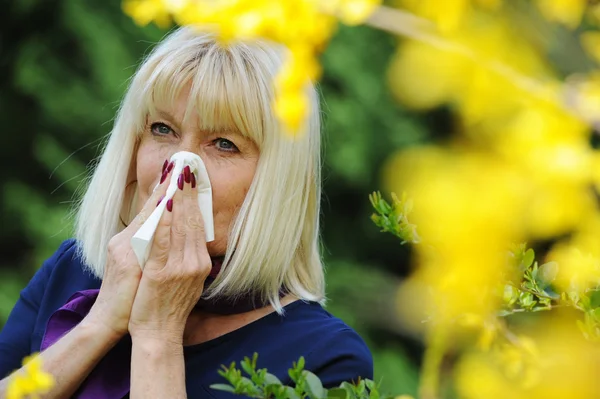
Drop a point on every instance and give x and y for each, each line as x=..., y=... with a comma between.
x=141, y=242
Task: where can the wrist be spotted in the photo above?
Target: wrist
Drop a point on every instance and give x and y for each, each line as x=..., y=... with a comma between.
x=99, y=323
x=157, y=345
x=156, y=334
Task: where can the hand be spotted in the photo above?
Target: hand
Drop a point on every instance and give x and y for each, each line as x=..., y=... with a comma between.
x=174, y=275
x=122, y=274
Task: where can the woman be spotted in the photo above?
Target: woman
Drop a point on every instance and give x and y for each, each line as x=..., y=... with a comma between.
x=258, y=287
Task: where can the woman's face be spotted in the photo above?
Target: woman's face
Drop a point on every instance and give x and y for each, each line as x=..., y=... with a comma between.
x=230, y=161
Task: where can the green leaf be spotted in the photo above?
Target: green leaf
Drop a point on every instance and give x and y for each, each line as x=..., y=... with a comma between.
x=246, y=385
x=337, y=393
x=510, y=295
x=314, y=387
x=270, y=379
x=360, y=388
x=547, y=273
x=290, y=393
x=596, y=314
x=374, y=395
x=350, y=389
x=594, y=298
x=528, y=258
x=247, y=366
x=223, y=387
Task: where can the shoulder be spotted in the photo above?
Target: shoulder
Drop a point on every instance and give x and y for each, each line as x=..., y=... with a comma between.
x=65, y=260
x=60, y=256
x=66, y=251
x=61, y=276
x=65, y=265
x=337, y=353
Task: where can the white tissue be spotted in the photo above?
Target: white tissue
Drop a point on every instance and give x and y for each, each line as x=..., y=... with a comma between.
x=141, y=242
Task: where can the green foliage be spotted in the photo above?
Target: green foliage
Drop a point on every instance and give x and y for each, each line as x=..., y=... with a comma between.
x=392, y=218
x=532, y=290
x=263, y=385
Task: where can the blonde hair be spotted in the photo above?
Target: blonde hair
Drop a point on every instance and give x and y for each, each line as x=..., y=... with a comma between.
x=274, y=240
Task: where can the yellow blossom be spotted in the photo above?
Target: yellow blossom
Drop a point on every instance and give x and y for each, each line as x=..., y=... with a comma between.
x=464, y=233
x=567, y=12
x=449, y=15
x=30, y=381
x=424, y=77
x=590, y=41
x=292, y=108
x=354, y=12
x=303, y=26
x=144, y=12
x=578, y=270
x=559, y=364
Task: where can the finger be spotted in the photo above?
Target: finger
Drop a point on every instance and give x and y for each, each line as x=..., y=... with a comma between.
x=195, y=237
x=178, y=231
x=161, y=243
x=155, y=198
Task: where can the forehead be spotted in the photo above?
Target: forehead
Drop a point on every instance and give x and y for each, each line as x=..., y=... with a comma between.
x=217, y=91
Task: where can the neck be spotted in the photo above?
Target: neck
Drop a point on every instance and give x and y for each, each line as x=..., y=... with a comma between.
x=203, y=326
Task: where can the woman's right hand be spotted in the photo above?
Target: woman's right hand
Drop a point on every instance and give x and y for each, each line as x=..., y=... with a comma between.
x=122, y=273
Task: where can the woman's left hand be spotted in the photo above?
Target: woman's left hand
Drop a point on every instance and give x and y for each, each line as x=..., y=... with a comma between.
x=174, y=275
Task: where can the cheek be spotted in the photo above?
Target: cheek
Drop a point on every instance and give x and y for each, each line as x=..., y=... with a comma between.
x=149, y=162
x=229, y=194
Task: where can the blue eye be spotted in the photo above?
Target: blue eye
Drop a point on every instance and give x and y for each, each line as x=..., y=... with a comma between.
x=160, y=129
x=225, y=145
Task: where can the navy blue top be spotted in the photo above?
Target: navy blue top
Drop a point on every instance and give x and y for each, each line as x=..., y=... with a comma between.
x=332, y=350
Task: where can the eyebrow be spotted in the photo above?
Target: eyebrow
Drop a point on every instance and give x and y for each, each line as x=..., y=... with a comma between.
x=210, y=131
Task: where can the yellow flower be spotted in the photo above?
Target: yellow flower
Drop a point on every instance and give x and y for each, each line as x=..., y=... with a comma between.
x=422, y=77
x=578, y=270
x=559, y=364
x=590, y=41
x=31, y=380
x=145, y=11
x=292, y=109
x=449, y=15
x=465, y=205
x=567, y=12
x=354, y=12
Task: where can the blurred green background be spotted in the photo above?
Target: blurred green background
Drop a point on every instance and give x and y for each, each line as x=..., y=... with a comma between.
x=64, y=67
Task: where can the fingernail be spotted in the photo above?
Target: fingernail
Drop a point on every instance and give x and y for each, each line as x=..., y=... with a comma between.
x=160, y=200
x=170, y=205
x=193, y=180
x=170, y=167
x=186, y=174
x=165, y=165
x=163, y=177
x=180, y=181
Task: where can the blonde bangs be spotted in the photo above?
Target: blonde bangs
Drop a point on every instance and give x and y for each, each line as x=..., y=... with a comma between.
x=222, y=89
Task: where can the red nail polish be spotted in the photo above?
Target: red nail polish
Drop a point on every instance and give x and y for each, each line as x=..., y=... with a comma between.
x=163, y=177
x=162, y=197
x=193, y=180
x=186, y=174
x=165, y=165
x=180, y=181
x=170, y=205
x=170, y=167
